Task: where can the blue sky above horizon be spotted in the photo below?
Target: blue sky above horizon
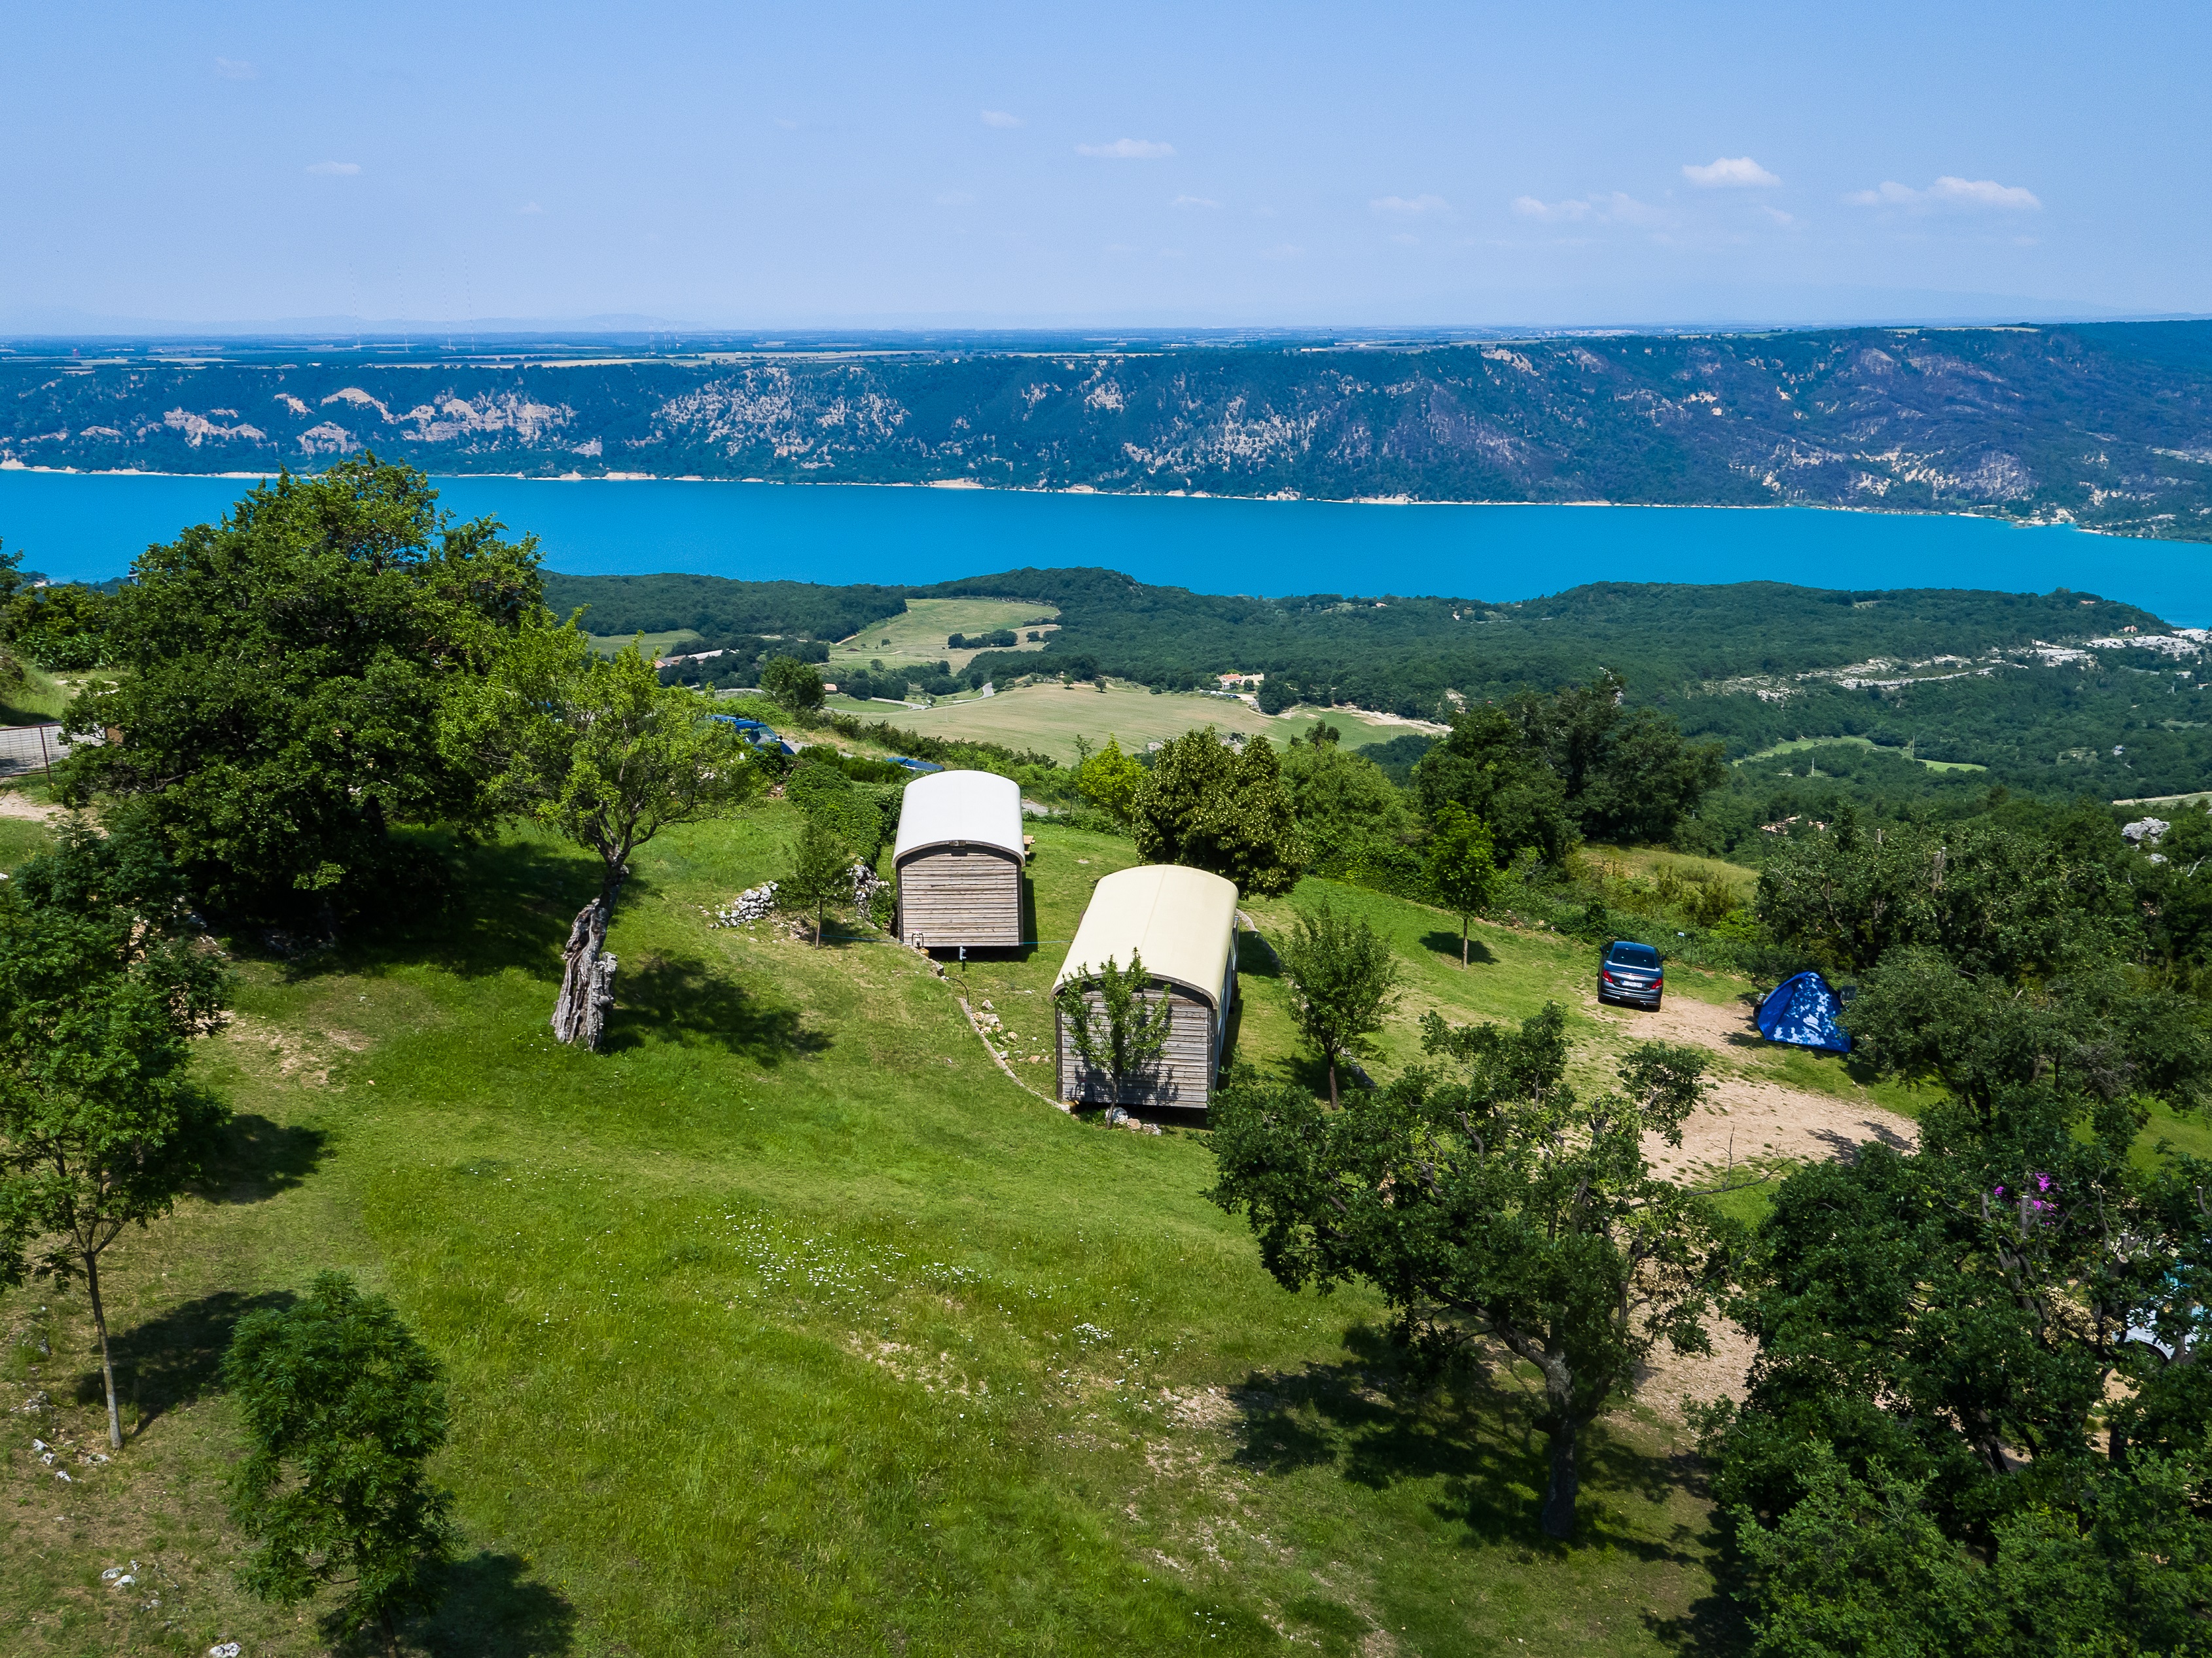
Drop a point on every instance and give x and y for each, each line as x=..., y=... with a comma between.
x=1395, y=164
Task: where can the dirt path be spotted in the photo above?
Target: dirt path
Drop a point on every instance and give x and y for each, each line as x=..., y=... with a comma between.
x=13, y=802
x=1751, y=1122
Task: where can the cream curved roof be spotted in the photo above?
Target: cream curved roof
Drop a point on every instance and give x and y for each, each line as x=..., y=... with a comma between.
x=1183, y=921
x=960, y=808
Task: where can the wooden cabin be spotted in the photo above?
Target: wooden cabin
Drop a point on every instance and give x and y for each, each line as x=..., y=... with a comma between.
x=958, y=859
x=1183, y=922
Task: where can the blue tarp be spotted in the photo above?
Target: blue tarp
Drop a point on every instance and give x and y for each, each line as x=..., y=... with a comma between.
x=922, y=766
x=1803, y=1011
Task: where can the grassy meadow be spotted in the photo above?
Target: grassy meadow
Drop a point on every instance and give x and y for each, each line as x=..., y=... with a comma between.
x=790, y=1325
x=1048, y=718
x=916, y=637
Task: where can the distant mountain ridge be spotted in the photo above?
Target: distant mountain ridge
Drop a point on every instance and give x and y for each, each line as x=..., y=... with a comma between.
x=2105, y=425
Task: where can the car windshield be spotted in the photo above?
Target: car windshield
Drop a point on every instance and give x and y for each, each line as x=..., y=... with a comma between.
x=1635, y=956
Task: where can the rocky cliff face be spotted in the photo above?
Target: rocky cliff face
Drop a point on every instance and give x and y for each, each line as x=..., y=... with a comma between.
x=2108, y=425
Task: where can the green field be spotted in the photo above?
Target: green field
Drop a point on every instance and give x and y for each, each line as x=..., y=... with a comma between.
x=1048, y=717
x=1802, y=744
x=790, y=1324
x=653, y=645
x=918, y=637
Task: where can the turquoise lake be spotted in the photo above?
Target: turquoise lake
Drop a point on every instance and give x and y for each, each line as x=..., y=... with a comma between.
x=82, y=526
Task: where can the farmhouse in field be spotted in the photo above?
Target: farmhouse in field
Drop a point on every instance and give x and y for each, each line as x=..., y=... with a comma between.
x=1183, y=923
x=958, y=859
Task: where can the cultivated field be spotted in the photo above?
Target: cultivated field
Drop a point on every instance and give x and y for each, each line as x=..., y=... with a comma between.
x=919, y=635
x=1048, y=717
x=1810, y=745
x=653, y=645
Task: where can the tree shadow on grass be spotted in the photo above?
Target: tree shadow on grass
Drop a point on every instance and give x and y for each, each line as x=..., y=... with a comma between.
x=1442, y=942
x=471, y=908
x=495, y=1609
x=1473, y=1432
x=691, y=1002
x=174, y=1358
x=260, y=1158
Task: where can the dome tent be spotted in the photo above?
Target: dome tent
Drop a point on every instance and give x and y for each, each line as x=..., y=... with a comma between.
x=1804, y=1012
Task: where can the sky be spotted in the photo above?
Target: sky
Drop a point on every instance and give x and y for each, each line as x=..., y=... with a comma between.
x=832, y=165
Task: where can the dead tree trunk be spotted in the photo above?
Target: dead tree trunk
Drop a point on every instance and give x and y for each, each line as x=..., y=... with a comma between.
x=587, y=973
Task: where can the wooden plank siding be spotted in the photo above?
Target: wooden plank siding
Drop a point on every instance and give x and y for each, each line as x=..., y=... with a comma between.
x=1184, y=1075
x=952, y=896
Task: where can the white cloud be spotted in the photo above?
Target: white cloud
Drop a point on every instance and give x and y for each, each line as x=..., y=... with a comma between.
x=789, y=126
x=1610, y=207
x=336, y=169
x=998, y=117
x=1778, y=216
x=1408, y=207
x=1129, y=150
x=1550, y=212
x=1621, y=208
x=1948, y=192
x=1727, y=171
x=1194, y=200
x=234, y=69
x=530, y=207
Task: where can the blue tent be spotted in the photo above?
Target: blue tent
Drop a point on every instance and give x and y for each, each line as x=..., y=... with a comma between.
x=1802, y=1011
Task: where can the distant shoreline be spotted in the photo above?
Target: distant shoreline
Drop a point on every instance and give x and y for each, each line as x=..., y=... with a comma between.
x=968, y=484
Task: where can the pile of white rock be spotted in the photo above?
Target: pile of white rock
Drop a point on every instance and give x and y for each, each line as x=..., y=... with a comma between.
x=754, y=904
x=866, y=883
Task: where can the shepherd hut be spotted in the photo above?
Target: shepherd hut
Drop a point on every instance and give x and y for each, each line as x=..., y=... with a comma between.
x=958, y=858
x=1183, y=922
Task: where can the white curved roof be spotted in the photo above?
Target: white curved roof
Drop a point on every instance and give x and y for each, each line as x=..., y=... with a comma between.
x=960, y=808
x=1183, y=921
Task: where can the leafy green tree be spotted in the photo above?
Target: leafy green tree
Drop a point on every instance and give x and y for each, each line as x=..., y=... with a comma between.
x=1487, y=767
x=342, y=1406
x=286, y=671
x=54, y=624
x=1118, y=1023
x=1344, y=981
x=792, y=684
x=821, y=789
x=1628, y=773
x=1992, y=1341
x=101, y=990
x=1992, y=900
x=1340, y=797
x=1500, y=1209
x=1461, y=866
x=1205, y=805
x=1111, y=780
x=597, y=749
x=820, y=879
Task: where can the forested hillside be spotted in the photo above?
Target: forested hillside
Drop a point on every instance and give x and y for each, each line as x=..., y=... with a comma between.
x=2108, y=425
x=2057, y=693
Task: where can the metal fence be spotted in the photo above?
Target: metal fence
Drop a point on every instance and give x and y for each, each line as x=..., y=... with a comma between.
x=32, y=748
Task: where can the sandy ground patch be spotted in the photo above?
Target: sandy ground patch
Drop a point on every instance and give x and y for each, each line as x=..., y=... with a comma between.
x=1749, y=1120
x=1746, y=1122
x=13, y=802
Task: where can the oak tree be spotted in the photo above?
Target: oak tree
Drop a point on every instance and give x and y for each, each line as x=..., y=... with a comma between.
x=343, y=1405
x=1499, y=1208
x=597, y=749
x=102, y=988
x=1344, y=980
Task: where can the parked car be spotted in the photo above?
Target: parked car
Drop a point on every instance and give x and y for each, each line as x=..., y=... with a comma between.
x=1630, y=972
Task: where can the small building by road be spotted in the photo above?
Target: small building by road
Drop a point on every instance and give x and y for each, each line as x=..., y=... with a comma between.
x=958, y=859
x=1182, y=923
